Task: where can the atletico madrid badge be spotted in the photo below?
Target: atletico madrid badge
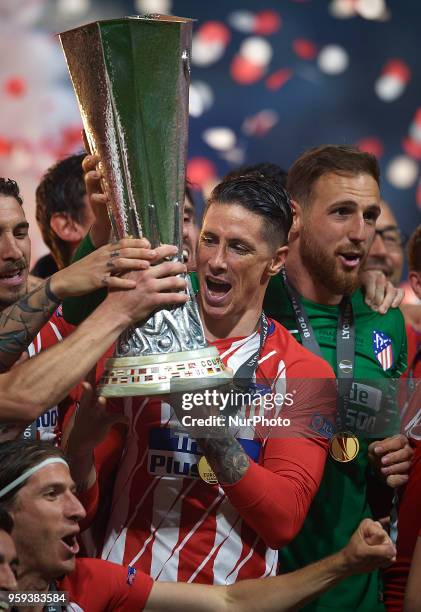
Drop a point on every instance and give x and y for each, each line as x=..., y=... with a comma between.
x=382, y=347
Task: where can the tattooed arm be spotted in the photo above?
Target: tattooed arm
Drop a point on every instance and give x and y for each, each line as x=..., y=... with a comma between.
x=46, y=379
x=225, y=456
x=20, y=322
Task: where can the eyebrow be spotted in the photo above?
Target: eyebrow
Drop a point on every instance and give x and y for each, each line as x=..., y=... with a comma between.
x=22, y=225
x=389, y=227
x=14, y=561
x=334, y=205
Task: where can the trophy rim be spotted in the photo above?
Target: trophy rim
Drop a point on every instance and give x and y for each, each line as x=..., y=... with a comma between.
x=207, y=352
x=158, y=18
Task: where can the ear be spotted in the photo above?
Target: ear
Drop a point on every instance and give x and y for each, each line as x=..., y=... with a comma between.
x=415, y=282
x=66, y=228
x=297, y=216
x=278, y=261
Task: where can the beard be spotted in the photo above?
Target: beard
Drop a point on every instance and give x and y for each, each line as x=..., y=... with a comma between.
x=325, y=267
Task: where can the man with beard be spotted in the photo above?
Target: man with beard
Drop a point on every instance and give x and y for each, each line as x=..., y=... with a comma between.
x=37, y=489
x=335, y=192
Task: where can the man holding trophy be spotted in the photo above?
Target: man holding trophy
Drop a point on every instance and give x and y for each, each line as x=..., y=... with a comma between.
x=194, y=508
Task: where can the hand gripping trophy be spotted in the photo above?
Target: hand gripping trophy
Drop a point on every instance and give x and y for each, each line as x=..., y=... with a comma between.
x=131, y=79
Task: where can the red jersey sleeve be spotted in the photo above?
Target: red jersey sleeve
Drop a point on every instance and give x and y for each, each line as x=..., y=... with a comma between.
x=275, y=494
x=101, y=586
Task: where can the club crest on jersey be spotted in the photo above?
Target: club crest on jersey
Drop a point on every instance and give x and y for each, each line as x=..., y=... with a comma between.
x=382, y=347
x=131, y=573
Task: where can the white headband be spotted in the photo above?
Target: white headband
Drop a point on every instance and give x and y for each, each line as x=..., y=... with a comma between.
x=28, y=474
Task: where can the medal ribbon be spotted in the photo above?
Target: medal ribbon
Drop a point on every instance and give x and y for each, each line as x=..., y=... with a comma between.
x=345, y=343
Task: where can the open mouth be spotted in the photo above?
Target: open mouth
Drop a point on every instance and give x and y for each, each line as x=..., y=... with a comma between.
x=350, y=260
x=12, y=277
x=71, y=543
x=216, y=290
x=186, y=255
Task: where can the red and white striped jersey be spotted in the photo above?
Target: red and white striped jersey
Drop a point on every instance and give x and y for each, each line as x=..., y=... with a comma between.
x=48, y=336
x=170, y=524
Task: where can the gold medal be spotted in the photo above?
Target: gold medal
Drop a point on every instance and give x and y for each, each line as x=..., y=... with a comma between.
x=206, y=473
x=344, y=447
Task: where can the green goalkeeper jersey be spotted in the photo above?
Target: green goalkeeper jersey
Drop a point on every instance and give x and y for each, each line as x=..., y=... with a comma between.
x=341, y=502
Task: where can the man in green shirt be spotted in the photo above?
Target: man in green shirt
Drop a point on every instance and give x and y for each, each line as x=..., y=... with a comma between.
x=336, y=198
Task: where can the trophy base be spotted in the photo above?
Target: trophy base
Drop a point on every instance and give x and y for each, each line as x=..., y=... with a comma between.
x=163, y=373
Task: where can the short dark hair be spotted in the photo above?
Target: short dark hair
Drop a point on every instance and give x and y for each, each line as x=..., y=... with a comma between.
x=267, y=169
x=6, y=521
x=61, y=190
x=336, y=159
x=9, y=187
x=414, y=251
x=261, y=196
x=17, y=456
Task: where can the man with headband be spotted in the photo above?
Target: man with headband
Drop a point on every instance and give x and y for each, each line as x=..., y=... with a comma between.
x=37, y=490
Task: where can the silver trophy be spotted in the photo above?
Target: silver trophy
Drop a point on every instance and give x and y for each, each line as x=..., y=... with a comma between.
x=131, y=79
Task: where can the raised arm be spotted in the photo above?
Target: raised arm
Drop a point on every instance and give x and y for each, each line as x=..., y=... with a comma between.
x=20, y=322
x=47, y=378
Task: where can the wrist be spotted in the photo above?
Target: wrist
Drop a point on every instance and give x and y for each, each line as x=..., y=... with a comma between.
x=115, y=316
x=53, y=291
x=343, y=563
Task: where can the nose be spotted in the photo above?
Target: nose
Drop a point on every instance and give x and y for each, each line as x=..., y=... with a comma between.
x=217, y=263
x=74, y=509
x=7, y=578
x=185, y=228
x=357, y=230
x=10, y=249
x=378, y=247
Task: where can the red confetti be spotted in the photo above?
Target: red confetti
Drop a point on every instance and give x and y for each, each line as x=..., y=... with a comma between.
x=214, y=31
x=5, y=147
x=15, y=86
x=417, y=117
x=200, y=171
x=372, y=145
x=72, y=136
x=398, y=69
x=305, y=49
x=412, y=147
x=245, y=72
x=278, y=78
x=267, y=22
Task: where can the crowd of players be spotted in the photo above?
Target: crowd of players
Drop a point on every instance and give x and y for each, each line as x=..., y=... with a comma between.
x=296, y=277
